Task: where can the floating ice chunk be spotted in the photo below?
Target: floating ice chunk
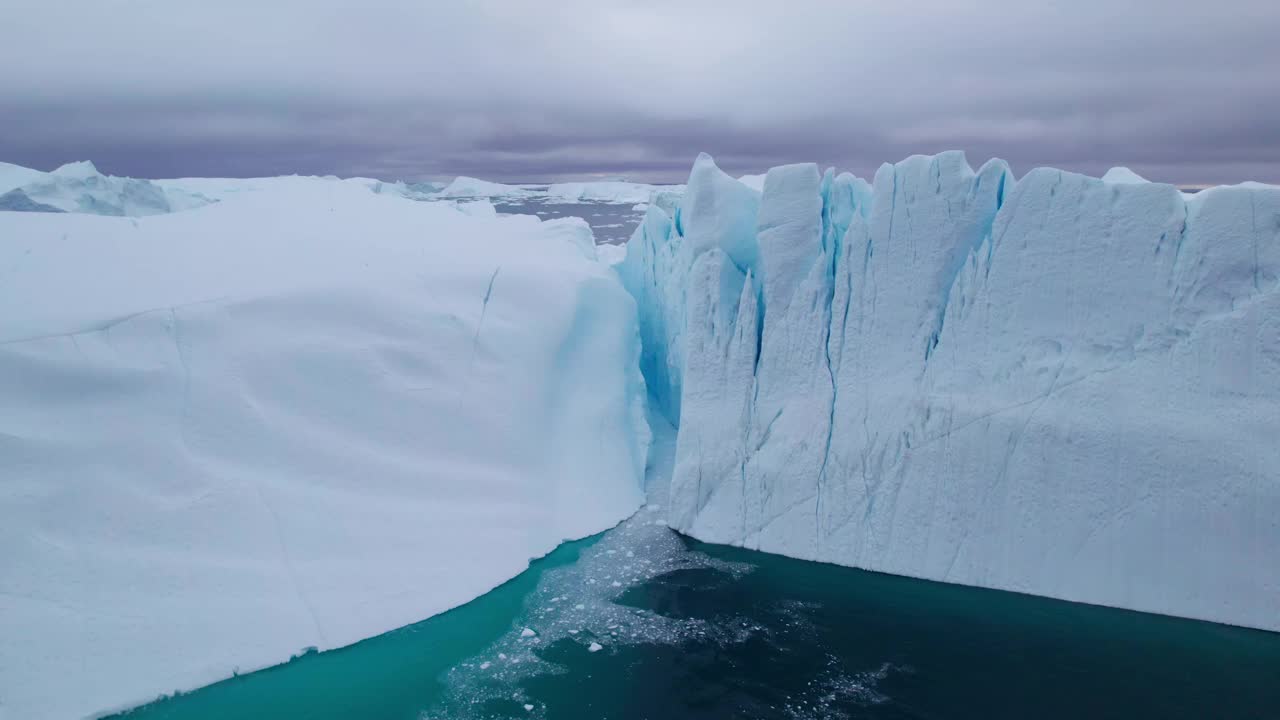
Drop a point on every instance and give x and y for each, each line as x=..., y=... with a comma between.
x=595, y=647
x=527, y=633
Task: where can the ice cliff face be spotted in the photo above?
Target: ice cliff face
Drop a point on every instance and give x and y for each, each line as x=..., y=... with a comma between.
x=1054, y=385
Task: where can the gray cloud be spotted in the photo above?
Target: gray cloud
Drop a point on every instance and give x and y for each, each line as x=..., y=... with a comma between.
x=1181, y=91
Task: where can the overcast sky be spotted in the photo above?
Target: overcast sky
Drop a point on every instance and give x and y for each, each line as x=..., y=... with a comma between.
x=1182, y=91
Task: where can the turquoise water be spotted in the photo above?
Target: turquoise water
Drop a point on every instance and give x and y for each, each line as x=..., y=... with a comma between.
x=686, y=630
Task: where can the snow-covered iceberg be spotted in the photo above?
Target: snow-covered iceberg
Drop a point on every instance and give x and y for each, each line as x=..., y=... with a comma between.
x=295, y=418
x=79, y=188
x=1056, y=385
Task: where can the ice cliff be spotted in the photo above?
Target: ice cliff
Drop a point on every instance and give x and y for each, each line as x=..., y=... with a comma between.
x=296, y=418
x=1056, y=385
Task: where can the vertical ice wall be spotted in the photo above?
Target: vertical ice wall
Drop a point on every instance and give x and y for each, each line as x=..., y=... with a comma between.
x=1057, y=385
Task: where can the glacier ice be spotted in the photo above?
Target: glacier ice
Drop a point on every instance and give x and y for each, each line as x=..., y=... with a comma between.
x=1057, y=385
x=295, y=418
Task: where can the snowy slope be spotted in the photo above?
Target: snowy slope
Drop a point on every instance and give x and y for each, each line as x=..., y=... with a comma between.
x=298, y=417
x=1058, y=385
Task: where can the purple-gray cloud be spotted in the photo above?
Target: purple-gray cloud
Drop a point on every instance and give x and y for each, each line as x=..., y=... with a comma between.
x=1179, y=91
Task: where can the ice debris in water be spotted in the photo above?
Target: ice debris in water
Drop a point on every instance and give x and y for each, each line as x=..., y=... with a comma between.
x=569, y=608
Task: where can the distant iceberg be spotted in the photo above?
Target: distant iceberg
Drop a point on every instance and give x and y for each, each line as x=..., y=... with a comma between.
x=1056, y=385
x=469, y=187
x=609, y=191
x=79, y=188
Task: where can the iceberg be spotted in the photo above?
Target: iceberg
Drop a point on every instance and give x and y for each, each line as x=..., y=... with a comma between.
x=1056, y=385
x=296, y=418
x=606, y=191
x=469, y=187
x=79, y=188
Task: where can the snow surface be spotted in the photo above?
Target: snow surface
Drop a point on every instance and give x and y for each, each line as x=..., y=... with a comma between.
x=295, y=418
x=1056, y=385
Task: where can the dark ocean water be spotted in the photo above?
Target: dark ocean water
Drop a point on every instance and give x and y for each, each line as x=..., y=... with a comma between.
x=642, y=623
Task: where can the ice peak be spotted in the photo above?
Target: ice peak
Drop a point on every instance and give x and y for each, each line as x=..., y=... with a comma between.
x=79, y=170
x=1123, y=176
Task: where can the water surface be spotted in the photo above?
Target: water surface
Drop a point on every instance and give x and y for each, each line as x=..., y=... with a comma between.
x=642, y=623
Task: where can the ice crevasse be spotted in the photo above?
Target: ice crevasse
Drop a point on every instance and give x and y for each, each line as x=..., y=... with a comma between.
x=1056, y=385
